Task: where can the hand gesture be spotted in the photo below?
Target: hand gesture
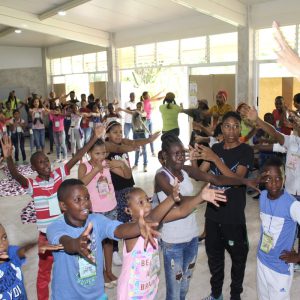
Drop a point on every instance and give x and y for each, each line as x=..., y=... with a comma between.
x=147, y=231
x=290, y=256
x=48, y=247
x=82, y=244
x=193, y=153
x=207, y=154
x=176, y=191
x=212, y=196
x=251, y=114
x=154, y=136
x=99, y=131
x=7, y=147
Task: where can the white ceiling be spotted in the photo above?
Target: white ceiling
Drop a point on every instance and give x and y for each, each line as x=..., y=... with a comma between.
x=109, y=16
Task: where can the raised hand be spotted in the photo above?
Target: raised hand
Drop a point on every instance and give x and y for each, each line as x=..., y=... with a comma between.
x=7, y=147
x=290, y=256
x=82, y=244
x=48, y=247
x=212, y=196
x=193, y=153
x=251, y=114
x=99, y=131
x=147, y=231
x=207, y=154
x=154, y=136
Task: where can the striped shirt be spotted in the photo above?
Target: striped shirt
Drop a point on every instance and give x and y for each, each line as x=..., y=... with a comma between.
x=44, y=194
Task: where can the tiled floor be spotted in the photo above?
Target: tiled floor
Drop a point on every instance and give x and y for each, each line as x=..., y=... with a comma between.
x=10, y=208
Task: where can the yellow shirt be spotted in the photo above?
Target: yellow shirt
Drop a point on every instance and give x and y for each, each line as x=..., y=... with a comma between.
x=220, y=111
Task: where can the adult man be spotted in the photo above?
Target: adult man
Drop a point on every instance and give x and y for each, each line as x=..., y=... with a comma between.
x=130, y=105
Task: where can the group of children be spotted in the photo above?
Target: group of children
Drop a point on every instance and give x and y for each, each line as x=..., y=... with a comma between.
x=79, y=219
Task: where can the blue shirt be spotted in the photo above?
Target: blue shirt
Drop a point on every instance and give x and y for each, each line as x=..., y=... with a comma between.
x=73, y=277
x=276, y=219
x=11, y=277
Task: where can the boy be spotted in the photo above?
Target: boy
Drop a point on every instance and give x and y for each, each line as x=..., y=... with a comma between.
x=43, y=190
x=78, y=270
x=279, y=214
x=226, y=226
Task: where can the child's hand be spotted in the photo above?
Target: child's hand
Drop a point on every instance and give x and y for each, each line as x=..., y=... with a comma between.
x=206, y=153
x=251, y=114
x=176, y=192
x=7, y=147
x=99, y=131
x=112, y=164
x=193, y=153
x=290, y=256
x=82, y=244
x=147, y=231
x=212, y=196
x=48, y=247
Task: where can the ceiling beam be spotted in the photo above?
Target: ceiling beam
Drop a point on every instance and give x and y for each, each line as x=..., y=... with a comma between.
x=19, y=19
x=7, y=31
x=230, y=11
x=63, y=7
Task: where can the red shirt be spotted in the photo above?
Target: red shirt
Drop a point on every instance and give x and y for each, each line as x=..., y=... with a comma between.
x=277, y=117
x=85, y=120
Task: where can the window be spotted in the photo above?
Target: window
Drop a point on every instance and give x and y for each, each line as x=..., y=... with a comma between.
x=77, y=64
x=89, y=62
x=58, y=79
x=213, y=70
x=55, y=66
x=168, y=53
x=126, y=57
x=66, y=65
x=97, y=77
x=145, y=55
x=102, y=61
x=193, y=51
x=223, y=47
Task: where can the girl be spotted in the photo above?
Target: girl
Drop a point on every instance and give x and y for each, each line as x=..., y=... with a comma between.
x=75, y=132
x=139, y=275
x=59, y=133
x=112, y=114
x=87, y=130
x=37, y=114
x=96, y=175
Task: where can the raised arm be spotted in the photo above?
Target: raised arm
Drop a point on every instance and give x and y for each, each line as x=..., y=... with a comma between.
x=7, y=150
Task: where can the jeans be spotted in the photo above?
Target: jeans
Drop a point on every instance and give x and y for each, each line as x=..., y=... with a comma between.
x=136, y=136
x=86, y=134
x=149, y=126
x=50, y=132
x=18, y=140
x=179, y=263
x=233, y=239
x=127, y=129
x=60, y=145
x=39, y=138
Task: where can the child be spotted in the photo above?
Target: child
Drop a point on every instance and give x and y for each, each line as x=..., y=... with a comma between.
x=59, y=133
x=139, y=275
x=11, y=260
x=279, y=214
x=78, y=270
x=85, y=122
x=43, y=190
x=96, y=175
x=112, y=114
x=17, y=126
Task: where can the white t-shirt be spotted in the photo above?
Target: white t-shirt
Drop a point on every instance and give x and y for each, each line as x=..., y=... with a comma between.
x=183, y=230
x=128, y=117
x=75, y=121
x=292, y=165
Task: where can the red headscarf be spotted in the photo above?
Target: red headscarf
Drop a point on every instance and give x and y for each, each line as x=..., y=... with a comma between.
x=223, y=94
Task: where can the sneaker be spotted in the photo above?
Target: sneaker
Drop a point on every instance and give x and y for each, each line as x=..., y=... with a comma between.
x=210, y=297
x=145, y=168
x=117, y=260
x=134, y=167
x=296, y=267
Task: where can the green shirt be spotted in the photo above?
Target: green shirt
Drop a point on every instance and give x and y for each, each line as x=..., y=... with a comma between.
x=170, y=116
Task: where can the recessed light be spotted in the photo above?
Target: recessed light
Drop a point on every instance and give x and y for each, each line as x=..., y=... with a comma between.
x=62, y=13
x=18, y=31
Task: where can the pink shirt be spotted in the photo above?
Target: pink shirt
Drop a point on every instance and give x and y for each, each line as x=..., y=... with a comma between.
x=139, y=274
x=147, y=108
x=58, y=122
x=101, y=190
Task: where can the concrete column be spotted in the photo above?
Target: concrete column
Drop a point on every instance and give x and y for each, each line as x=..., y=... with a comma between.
x=113, y=85
x=245, y=85
x=47, y=73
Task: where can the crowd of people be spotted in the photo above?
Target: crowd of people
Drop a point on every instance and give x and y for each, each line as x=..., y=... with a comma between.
x=81, y=220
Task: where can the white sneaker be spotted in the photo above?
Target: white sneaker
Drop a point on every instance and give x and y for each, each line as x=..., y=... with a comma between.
x=117, y=260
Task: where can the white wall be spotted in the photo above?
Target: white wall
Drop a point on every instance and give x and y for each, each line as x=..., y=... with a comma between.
x=20, y=57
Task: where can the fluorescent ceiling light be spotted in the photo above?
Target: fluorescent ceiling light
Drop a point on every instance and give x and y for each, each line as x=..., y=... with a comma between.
x=62, y=13
x=18, y=31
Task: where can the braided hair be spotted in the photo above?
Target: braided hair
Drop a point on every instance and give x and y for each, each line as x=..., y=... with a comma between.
x=168, y=140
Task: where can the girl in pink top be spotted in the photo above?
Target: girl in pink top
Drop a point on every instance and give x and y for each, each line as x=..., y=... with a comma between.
x=139, y=275
x=96, y=175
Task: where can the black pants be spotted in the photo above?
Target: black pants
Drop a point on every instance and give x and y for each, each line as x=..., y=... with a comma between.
x=50, y=132
x=233, y=238
x=18, y=139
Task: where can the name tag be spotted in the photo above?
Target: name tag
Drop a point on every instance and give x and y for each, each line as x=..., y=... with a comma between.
x=30, y=131
x=91, y=124
x=266, y=242
x=19, y=129
x=37, y=115
x=86, y=269
x=56, y=124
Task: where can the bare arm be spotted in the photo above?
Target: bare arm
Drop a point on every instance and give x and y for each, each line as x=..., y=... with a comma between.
x=85, y=177
x=120, y=168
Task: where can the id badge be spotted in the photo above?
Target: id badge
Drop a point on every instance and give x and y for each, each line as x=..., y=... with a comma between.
x=36, y=115
x=86, y=269
x=103, y=187
x=56, y=124
x=266, y=242
x=155, y=264
x=54, y=209
x=91, y=124
x=19, y=129
x=30, y=131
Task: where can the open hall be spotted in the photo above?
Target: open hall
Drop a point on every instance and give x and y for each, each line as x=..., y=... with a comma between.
x=114, y=117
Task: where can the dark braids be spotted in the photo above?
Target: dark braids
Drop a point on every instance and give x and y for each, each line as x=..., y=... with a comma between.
x=169, y=139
